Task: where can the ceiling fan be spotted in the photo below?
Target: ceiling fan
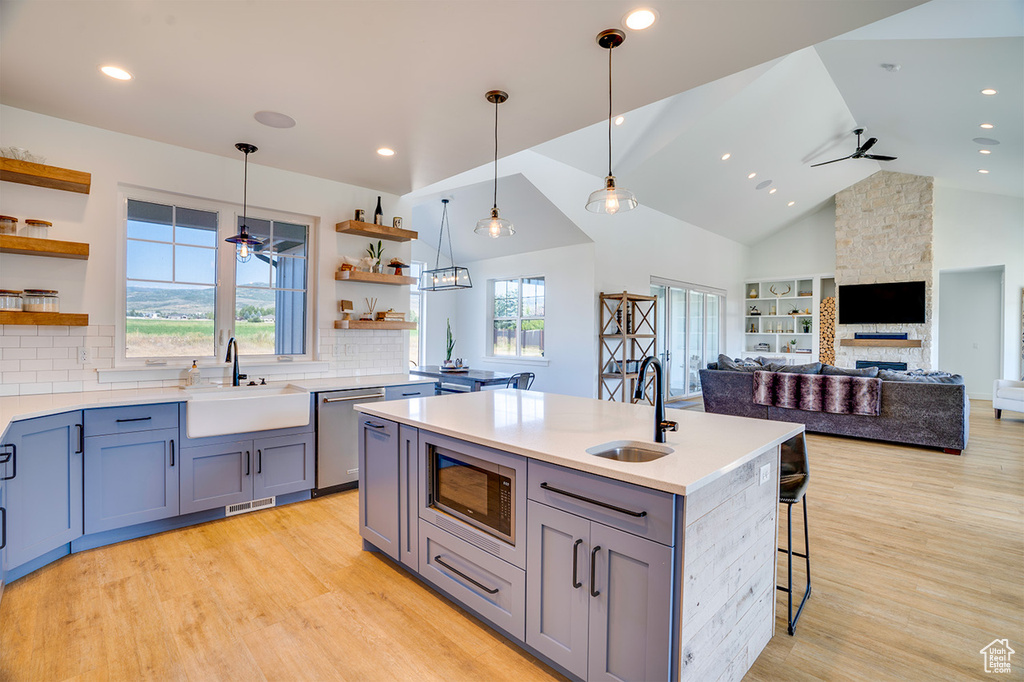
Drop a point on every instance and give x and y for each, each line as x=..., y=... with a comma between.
x=861, y=152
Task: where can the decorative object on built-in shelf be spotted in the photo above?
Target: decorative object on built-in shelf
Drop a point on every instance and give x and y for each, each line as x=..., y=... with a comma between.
x=777, y=294
x=243, y=241
x=754, y=310
x=396, y=223
x=8, y=224
x=371, y=303
x=794, y=311
x=40, y=301
x=803, y=293
x=360, y=215
x=345, y=308
x=21, y=154
x=762, y=346
x=391, y=315
x=792, y=345
x=378, y=214
x=495, y=226
x=753, y=327
x=610, y=199
x=397, y=264
x=375, y=254
x=445, y=279
x=771, y=309
x=449, y=345
x=37, y=229
x=752, y=294
x=806, y=324
x=10, y=300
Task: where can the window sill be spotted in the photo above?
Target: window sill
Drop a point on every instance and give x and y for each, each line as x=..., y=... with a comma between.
x=515, y=360
x=216, y=372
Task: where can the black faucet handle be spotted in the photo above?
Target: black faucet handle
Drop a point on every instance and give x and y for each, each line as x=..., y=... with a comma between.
x=669, y=426
x=243, y=377
x=263, y=381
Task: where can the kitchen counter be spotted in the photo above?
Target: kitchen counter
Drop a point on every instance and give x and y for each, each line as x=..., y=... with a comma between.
x=559, y=429
x=15, y=408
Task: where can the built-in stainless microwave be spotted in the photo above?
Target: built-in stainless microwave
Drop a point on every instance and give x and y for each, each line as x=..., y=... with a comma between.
x=475, y=491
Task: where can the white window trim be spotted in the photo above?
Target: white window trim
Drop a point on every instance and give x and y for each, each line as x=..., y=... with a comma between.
x=228, y=214
x=488, y=332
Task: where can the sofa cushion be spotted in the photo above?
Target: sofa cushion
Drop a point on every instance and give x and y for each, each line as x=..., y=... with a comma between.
x=728, y=364
x=830, y=370
x=920, y=376
x=809, y=368
x=1011, y=393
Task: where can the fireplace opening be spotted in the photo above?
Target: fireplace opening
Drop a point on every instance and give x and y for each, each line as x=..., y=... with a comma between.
x=861, y=364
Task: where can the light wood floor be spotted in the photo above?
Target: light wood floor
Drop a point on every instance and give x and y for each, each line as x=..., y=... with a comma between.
x=918, y=562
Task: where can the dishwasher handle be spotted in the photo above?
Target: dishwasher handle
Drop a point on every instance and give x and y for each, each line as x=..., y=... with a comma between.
x=364, y=396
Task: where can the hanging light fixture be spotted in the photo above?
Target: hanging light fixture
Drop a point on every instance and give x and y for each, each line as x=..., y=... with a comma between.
x=445, y=279
x=243, y=241
x=610, y=199
x=495, y=226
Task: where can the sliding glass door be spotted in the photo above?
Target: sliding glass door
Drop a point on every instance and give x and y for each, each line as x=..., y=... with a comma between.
x=689, y=335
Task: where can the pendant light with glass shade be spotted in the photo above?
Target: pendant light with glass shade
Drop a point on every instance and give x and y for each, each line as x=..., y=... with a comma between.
x=244, y=243
x=610, y=199
x=495, y=226
x=445, y=279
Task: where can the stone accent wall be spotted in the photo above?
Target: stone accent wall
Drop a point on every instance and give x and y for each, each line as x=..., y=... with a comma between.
x=884, y=234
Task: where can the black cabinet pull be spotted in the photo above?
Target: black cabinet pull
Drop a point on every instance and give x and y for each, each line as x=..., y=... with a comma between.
x=172, y=452
x=593, y=571
x=629, y=512
x=374, y=426
x=576, y=584
x=459, y=573
x=259, y=461
x=246, y=462
x=134, y=419
x=81, y=439
x=3, y=527
x=408, y=394
x=12, y=457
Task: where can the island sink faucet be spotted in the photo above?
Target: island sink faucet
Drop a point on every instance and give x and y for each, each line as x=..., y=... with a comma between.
x=235, y=376
x=660, y=424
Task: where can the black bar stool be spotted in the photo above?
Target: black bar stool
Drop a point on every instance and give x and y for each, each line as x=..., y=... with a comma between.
x=522, y=380
x=793, y=480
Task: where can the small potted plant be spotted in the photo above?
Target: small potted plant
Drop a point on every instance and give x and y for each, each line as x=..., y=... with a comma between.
x=449, y=346
x=792, y=346
x=376, y=253
x=806, y=322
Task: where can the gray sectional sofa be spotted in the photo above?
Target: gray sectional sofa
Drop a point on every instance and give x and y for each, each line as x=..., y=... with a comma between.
x=914, y=412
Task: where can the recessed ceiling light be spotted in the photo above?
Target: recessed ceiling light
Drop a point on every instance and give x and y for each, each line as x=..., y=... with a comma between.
x=619, y=120
x=891, y=68
x=773, y=190
x=790, y=203
x=274, y=119
x=983, y=171
x=987, y=126
x=116, y=72
x=986, y=141
x=763, y=184
x=751, y=176
x=725, y=157
x=639, y=19
x=989, y=91
x=984, y=151
x=384, y=151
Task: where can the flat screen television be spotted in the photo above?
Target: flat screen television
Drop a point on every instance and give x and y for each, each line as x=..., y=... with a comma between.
x=890, y=303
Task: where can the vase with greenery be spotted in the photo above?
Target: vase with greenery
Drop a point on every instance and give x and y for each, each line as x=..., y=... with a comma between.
x=450, y=345
x=792, y=346
x=376, y=254
x=806, y=322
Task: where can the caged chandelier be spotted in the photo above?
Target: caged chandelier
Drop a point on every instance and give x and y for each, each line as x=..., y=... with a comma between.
x=445, y=279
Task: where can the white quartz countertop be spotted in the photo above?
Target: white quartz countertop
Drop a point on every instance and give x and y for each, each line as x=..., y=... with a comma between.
x=15, y=408
x=559, y=429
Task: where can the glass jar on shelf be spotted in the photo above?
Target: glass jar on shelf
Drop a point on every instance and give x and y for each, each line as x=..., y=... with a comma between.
x=8, y=224
x=37, y=229
x=40, y=301
x=10, y=300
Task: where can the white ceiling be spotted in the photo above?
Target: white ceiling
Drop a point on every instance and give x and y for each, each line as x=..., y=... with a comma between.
x=408, y=74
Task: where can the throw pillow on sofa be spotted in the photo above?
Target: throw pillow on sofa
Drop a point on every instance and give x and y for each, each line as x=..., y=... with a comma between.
x=870, y=372
x=920, y=376
x=728, y=364
x=809, y=368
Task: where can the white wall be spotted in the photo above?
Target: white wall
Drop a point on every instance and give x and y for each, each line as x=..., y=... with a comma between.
x=970, y=317
x=977, y=230
x=91, y=286
x=806, y=246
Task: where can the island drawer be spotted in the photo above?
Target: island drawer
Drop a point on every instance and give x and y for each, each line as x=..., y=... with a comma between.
x=493, y=588
x=104, y=421
x=410, y=391
x=641, y=511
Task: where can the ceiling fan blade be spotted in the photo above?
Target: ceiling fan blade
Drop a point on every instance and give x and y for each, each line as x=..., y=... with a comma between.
x=867, y=145
x=877, y=157
x=825, y=163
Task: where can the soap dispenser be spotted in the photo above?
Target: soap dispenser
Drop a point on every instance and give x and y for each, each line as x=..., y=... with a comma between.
x=194, y=375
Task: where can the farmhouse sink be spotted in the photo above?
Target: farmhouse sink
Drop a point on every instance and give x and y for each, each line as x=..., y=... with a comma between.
x=241, y=409
x=630, y=451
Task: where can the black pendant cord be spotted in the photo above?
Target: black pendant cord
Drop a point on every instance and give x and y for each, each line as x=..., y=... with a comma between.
x=245, y=189
x=451, y=255
x=610, y=110
x=496, y=102
x=440, y=237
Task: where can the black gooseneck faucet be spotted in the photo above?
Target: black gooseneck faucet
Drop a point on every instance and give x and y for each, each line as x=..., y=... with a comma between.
x=235, y=376
x=660, y=424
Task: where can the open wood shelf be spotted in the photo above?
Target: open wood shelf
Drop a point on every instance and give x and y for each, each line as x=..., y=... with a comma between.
x=373, y=324
x=891, y=343
x=373, y=277
x=395, y=234
x=40, y=175
x=52, y=319
x=53, y=248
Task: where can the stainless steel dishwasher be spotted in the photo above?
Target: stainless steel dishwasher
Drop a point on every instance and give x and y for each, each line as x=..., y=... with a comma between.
x=337, y=438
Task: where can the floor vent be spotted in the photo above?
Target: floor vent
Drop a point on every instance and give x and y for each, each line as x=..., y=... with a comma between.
x=242, y=507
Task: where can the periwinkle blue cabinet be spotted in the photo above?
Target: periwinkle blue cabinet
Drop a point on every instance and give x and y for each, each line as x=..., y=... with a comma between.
x=43, y=479
x=379, y=509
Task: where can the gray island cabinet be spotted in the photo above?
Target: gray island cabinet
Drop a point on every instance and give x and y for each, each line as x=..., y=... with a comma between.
x=606, y=570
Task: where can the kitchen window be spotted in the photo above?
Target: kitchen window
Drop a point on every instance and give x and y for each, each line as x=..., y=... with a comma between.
x=174, y=259
x=416, y=305
x=517, y=317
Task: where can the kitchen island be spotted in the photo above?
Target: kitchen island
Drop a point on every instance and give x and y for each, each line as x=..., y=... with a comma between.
x=661, y=569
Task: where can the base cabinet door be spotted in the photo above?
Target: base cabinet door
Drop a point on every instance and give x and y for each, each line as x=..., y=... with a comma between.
x=408, y=496
x=43, y=486
x=558, y=586
x=130, y=478
x=284, y=464
x=378, y=484
x=630, y=619
x=216, y=475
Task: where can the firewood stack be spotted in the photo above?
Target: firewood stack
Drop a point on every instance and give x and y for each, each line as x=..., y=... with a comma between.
x=827, y=325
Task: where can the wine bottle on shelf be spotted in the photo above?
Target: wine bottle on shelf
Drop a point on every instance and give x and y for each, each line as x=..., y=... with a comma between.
x=378, y=214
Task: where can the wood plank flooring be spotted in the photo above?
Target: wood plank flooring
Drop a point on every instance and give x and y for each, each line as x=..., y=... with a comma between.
x=917, y=562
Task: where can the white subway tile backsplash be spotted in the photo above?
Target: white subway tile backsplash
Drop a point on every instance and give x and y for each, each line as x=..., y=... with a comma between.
x=53, y=353
x=36, y=365
x=18, y=377
x=68, y=341
x=62, y=363
x=67, y=386
x=55, y=375
x=37, y=341
x=20, y=330
x=10, y=341
x=10, y=365
x=46, y=330
x=18, y=353
x=8, y=389
x=35, y=388
x=98, y=341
